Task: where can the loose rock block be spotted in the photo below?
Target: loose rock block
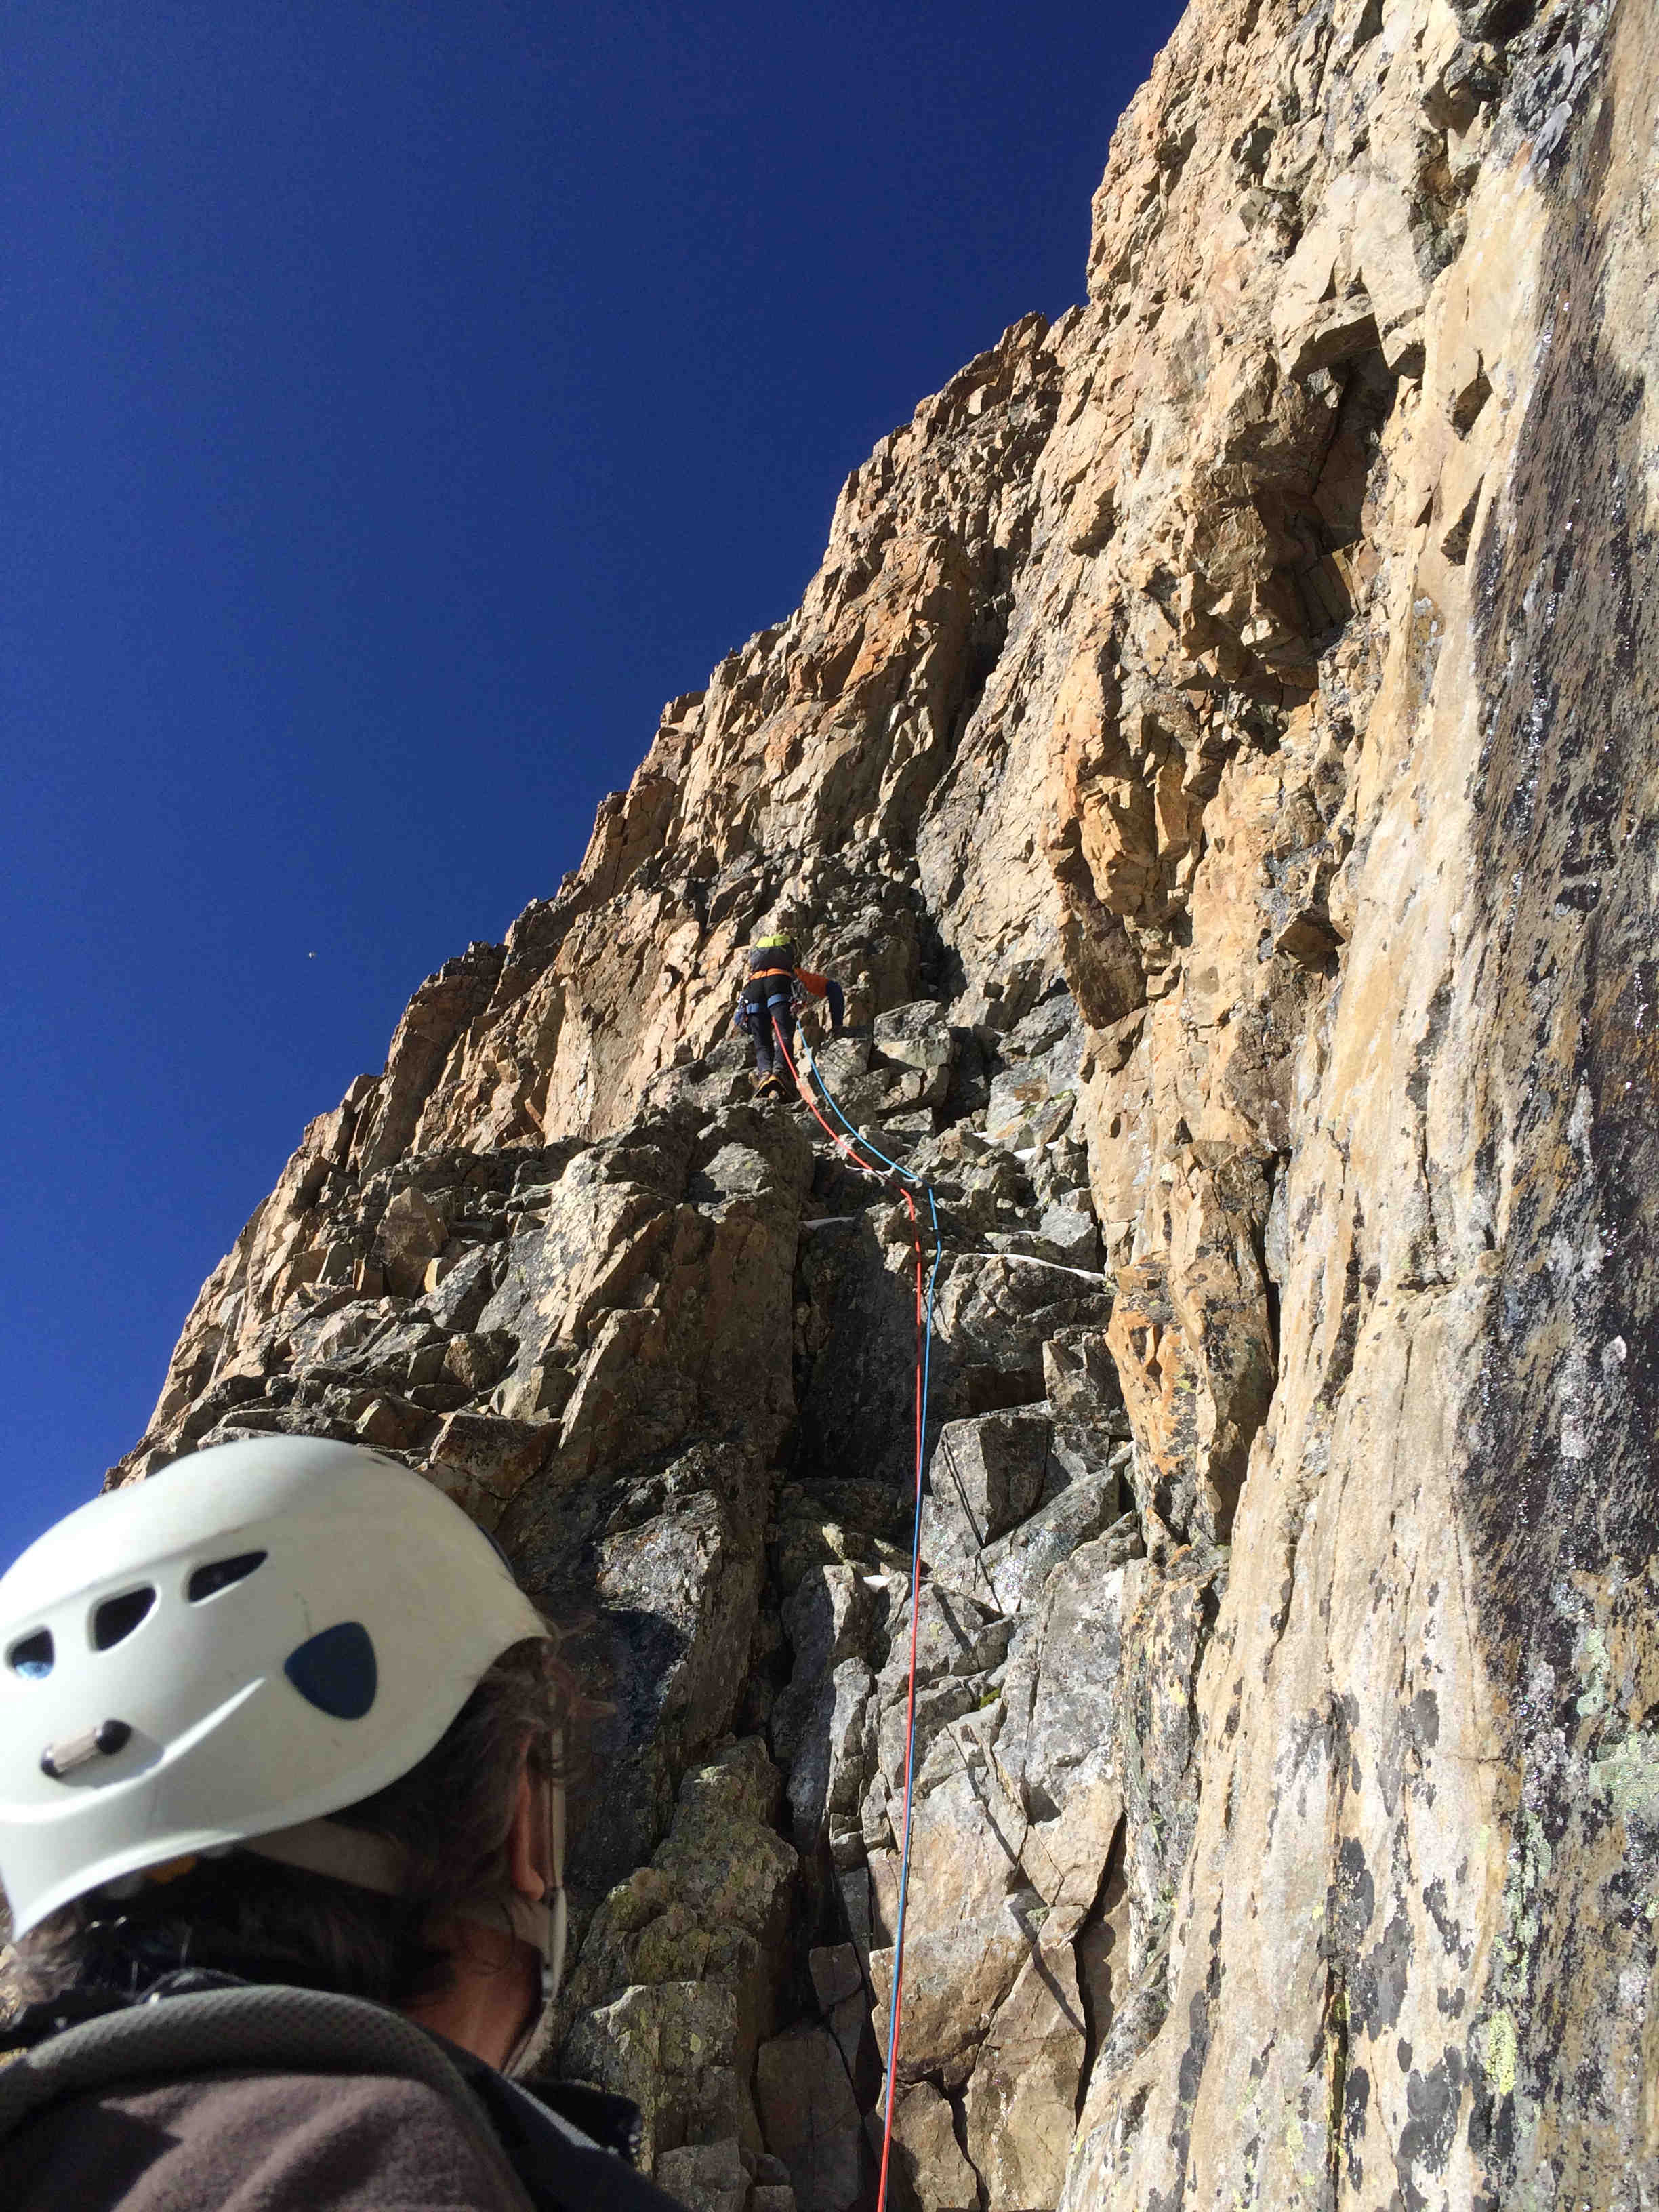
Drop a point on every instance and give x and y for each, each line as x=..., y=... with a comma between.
x=809, y=2117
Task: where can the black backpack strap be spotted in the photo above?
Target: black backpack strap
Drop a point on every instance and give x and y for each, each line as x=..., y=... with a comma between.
x=613, y=2123
x=559, y=2164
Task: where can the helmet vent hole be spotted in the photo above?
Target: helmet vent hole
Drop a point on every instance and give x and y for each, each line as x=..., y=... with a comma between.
x=117, y=1618
x=220, y=1574
x=32, y=1656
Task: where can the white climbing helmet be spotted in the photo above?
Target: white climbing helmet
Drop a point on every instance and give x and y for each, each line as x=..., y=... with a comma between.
x=260, y=1634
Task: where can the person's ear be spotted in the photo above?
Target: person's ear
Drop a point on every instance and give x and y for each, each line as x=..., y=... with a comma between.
x=526, y=1844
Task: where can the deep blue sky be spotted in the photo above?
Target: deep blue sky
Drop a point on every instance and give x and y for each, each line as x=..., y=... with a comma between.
x=398, y=404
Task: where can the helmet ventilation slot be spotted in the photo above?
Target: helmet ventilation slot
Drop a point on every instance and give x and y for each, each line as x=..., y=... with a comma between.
x=117, y=1618
x=32, y=1656
x=220, y=1574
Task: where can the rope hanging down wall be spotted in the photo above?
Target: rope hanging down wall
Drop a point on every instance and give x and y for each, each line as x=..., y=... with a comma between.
x=906, y=1184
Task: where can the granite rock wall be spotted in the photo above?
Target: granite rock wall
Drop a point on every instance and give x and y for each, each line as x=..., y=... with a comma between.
x=1217, y=753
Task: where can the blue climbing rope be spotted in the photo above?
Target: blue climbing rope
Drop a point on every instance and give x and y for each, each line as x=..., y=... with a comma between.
x=924, y=1378
x=859, y=1135
x=910, y=1716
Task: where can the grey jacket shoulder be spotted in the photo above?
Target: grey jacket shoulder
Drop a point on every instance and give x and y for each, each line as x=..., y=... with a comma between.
x=258, y=2141
x=535, y=2160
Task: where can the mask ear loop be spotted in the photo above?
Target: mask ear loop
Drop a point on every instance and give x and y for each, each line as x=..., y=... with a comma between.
x=545, y=1924
x=553, y=1949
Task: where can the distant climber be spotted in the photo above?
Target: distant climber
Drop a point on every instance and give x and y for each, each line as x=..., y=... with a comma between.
x=286, y=1870
x=772, y=994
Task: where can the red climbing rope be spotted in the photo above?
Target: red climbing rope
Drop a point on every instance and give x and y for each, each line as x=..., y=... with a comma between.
x=909, y=1753
x=841, y=1144
x=844, y=1147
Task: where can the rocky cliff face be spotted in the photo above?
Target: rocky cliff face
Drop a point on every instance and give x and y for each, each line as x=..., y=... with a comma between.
x=1218, y=754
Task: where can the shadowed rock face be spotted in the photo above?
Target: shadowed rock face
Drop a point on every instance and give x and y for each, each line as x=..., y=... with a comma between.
x=1216, y=755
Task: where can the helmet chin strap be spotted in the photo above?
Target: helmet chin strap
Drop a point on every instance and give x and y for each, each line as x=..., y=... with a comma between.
x=374, y=1863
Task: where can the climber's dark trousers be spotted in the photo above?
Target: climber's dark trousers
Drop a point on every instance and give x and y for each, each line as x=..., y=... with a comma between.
x=768, y=1060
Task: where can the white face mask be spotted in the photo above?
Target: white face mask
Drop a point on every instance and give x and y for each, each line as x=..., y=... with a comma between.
x=351, y=1854
x=549, y=1922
